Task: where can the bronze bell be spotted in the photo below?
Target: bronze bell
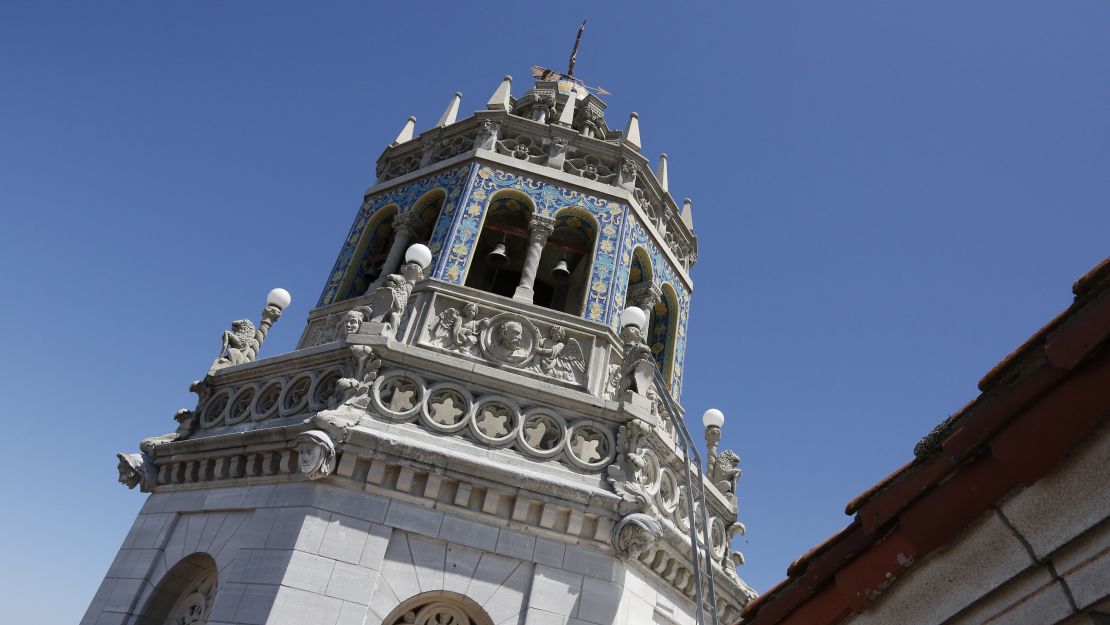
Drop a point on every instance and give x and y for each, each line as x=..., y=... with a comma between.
x=498, y=257
x=561, y=273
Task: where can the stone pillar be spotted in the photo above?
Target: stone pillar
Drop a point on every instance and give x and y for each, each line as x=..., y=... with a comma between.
x=540, y=228
x=645, y=296
x=403, y=231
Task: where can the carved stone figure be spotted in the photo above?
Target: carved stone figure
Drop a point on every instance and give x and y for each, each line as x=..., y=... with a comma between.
x=341, y=325
x=240, y=344
x=635, y=534
x=510, y=336
x=355, y=385
x=388, y=302
x=724, y=472
x=612, y=382
x=315, y=454
x=560, y=357
x=487, y=135
x=136, y=470
x=637, y=364
x=457, y=331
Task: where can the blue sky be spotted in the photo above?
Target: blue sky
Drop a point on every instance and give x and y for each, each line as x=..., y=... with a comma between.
x=889, y=197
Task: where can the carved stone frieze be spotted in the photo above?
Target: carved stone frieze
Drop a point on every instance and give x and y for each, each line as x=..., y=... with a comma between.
x=458, y=329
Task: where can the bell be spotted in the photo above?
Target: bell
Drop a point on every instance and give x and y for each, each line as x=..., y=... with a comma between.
x=561, y=272
x=498, y=257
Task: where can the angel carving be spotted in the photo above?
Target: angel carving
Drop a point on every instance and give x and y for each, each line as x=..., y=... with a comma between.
x=560, y=357
x=459, y=332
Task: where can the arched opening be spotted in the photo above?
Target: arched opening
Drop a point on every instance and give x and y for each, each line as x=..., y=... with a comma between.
x=662, y=331
x=570, y=247
x=640, y=276
x=425, y=217
x=438, y=608
x=373, y=251
x=184, y=595
x=502, y=246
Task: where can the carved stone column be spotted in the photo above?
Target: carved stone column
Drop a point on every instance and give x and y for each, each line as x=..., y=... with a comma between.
x=404, y=229
x=540, y=228
x=645, y=296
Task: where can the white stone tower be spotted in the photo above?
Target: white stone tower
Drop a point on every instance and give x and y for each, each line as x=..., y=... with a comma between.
x=473, y=429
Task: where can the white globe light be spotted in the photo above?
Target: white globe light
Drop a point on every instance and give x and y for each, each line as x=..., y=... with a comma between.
x=280, y=298
x=713, y=418
x=420, y=254
x=633, y=316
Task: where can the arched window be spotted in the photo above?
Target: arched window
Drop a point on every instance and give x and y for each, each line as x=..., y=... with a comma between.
x=640, y=275
x=184, y=596
x=502, y=246
x=662, y=331
x=372, y=253
x=438, y=608
x=425, y=216
x=564, y=270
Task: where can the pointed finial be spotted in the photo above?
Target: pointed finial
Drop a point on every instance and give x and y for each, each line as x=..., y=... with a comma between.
x=632, y=131
x=661, y=172
x=688, y=213
x=451, y=112
x=499, y=101
x=406, y=132
x=566, y=116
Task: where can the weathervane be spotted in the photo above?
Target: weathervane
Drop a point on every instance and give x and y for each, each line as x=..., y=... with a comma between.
x=543, y=73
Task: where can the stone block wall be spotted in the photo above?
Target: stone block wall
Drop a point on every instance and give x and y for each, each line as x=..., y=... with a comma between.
x=308, y=553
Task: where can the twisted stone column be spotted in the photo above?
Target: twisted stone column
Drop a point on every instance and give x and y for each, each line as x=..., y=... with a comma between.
x=540, y=228
x=404, y=229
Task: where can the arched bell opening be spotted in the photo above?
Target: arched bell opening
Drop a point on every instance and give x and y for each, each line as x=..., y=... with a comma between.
x=425, y=216
x=372, y=252
x=185, y=594
x=663, y=330
x=502, y=246
x=640, y=277
x=562, y=277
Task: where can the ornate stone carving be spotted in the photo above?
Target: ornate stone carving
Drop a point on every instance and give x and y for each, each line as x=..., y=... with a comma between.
x=645, y=296
x=487, y=135
x=195, y=604
x=637, y=363
x=723, y=472
x=354, y=387
x=635, y=534
x=241, y=343
x=458, y=330
x=388, y=302
x=136, y=470
x=510, y=339
x=560, y=357
x=627, y=174
x=315, y=454
x=612, y=383
x=629, y=474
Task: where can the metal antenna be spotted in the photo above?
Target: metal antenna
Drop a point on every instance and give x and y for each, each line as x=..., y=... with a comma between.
x=574, y=52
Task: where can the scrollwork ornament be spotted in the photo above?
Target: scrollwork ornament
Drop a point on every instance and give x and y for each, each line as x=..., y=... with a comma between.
x=635, y=534
x=136, y=470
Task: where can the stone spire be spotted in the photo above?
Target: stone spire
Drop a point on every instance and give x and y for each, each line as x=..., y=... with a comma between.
x=406, y=133
x=688, y=213
x=661, y=172
x=499, y=101
x=632, y=131
x=451, y=112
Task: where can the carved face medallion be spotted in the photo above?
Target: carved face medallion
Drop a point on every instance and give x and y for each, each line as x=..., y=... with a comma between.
x=351, y=322
x=309, y=457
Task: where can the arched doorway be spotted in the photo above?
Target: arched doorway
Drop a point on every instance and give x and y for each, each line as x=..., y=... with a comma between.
x=438, y=608
x=184, y=595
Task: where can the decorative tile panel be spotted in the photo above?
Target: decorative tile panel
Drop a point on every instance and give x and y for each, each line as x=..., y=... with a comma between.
x=405, y=197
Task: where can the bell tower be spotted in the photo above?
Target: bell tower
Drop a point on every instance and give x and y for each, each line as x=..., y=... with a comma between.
x=480, y=424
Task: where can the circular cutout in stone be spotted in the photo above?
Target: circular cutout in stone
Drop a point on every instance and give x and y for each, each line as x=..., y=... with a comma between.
x=294, y=397
x=446, y=409
x=589, y=445
x=214, y=409
x=240, y=407
x=542, y=434
x=398, y=395
x=265, y=402
x=495, y=422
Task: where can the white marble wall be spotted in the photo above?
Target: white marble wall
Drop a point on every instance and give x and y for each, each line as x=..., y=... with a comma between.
x=309, y=553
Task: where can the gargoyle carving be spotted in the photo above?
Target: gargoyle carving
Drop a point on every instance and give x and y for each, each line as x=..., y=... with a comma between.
x=240, y=344
x=627, y=471
x=315, y=454
x=458, y=330
x=560, y=357
x=634, y=534
x=137, y=470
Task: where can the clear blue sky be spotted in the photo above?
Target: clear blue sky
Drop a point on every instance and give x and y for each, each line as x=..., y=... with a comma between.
x=889, y=197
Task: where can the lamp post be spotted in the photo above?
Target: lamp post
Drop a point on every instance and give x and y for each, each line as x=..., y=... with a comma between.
x=712, y=419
